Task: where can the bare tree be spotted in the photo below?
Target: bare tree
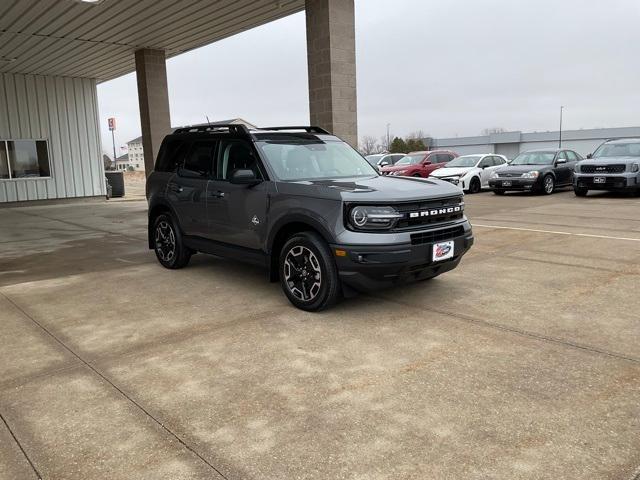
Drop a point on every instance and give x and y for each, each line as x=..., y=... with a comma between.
x=492, y=130
x=417, y=135
x=369, y=145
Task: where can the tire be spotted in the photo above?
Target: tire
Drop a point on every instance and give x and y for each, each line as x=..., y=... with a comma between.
x=417, y=175
x=168, y=243
x=308, y=273
x=548, y=185
x=580, y=192
x=499, y=192
x=475, y=186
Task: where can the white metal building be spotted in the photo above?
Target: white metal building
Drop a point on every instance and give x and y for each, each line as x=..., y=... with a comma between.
x=510, y=144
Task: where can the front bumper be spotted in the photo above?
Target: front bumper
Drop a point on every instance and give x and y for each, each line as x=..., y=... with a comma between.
x=622, y=181
x=367, y=268
x=515, y=183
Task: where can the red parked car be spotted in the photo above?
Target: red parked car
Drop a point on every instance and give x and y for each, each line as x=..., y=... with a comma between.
x=420, y=164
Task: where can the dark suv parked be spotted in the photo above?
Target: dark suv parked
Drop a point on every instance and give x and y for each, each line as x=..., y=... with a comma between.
x=304, y=204
x=615, y=165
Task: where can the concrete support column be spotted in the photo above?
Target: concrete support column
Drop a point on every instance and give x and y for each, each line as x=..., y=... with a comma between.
x=331, y=54
x=153, y=96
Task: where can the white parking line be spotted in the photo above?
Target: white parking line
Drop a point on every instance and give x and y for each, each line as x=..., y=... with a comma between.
x=557, y=232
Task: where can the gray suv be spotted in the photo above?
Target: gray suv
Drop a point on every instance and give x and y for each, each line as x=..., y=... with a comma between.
x=305, y=205
x=615, y=165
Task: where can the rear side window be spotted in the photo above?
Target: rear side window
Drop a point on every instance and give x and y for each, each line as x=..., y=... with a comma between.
x=171, y=156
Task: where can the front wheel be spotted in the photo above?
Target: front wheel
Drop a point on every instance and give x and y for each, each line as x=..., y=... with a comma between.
x=580, y=191
x=308, y=273
x=168, y=244
x=475, y=186
x=548, y=185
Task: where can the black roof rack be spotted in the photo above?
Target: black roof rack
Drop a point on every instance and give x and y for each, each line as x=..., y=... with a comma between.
x=237, y=128
x=309, y=129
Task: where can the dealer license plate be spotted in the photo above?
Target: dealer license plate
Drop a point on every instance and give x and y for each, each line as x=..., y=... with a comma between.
x=506, y=183
x=442, y=251
x=599, y=179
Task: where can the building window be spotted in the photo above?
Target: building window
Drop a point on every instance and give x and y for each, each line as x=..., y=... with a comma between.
x=24, y=159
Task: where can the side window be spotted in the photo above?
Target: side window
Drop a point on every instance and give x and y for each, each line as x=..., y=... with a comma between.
x=171, y=156
x=498, y=161
x=445, y=157
x=234, y=155
x=199, y=161
x=486, y=162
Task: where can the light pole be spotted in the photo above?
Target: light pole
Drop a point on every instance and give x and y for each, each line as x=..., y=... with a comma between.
x=560, y=137
x=388, y=139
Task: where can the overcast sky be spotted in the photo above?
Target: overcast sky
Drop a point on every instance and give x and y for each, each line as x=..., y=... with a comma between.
x=448, y=68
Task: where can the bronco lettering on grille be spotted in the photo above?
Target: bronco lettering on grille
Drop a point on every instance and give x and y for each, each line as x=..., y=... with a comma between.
x=436, y=211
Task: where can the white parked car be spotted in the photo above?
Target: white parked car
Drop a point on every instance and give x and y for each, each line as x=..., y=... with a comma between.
x=470, y=172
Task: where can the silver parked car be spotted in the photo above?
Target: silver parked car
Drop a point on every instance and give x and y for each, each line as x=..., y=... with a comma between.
x=379, y=160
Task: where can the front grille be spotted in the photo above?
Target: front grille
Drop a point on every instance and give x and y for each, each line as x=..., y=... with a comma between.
x=617, y=168
x=509, y=174
x=407, y=222
x=436, y=235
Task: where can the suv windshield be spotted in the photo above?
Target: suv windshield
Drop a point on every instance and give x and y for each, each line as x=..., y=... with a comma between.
x=618, y=150
x=534, y=158
x=314, y=160
x=466, y=161
x=410, y=159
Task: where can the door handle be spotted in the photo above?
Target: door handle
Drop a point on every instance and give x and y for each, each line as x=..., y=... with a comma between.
x=176, y=188
x=218, y=194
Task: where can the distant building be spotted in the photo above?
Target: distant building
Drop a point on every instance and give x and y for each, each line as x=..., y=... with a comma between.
x=135, y=155
x=510, y=144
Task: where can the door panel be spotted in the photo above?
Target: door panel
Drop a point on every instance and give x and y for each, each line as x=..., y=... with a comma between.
x=563, y=171
x=237, y=213
x=188, y=198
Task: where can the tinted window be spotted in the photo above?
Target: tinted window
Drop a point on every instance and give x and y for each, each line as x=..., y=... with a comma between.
x=24, y=159
x=486, y=162
x=618, y=150
x=571, y=156
x=441, y=158
x=199, y=161
x=171, y=156
x=235, y=155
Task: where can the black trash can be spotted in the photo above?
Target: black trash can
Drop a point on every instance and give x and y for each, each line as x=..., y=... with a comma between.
x=116, y=180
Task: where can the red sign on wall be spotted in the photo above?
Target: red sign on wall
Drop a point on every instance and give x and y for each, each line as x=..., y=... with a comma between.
x=112, y=123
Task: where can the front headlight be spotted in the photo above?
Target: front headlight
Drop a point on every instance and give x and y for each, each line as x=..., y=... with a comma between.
x=576, y=168
x=634, y=167
x=532, y=174
x=398, y=172
x=372, y=217
x=494, y=174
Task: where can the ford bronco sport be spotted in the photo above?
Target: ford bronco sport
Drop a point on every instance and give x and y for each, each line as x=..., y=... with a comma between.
x=305, y=205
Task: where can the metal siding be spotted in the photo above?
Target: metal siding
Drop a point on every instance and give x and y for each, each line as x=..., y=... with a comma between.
x=64, y=112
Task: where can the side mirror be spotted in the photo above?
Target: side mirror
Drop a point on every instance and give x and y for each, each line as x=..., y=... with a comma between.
x=589, y=155
x=244, y=177
x=384, y=163
x=560, y=161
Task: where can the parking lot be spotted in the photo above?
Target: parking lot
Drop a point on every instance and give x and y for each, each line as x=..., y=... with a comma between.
x=524, y=362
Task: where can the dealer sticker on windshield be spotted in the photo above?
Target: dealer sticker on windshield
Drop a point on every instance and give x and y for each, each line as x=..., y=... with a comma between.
x=442, y=251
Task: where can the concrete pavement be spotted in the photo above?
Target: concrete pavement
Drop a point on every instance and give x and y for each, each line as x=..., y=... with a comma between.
x=522, y=363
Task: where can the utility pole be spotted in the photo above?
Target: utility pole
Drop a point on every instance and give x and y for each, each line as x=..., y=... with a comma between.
x=560, y=138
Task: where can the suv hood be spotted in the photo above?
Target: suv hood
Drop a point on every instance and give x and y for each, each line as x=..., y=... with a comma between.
x=609, y=160
x=378, y=189
x=451, y=172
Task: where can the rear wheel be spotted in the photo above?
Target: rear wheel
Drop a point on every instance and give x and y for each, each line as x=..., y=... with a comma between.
x=308, y=273
x=474, y=186
x=548, y=185
x=580, y=191
x=168, y=243
x=416, y=175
